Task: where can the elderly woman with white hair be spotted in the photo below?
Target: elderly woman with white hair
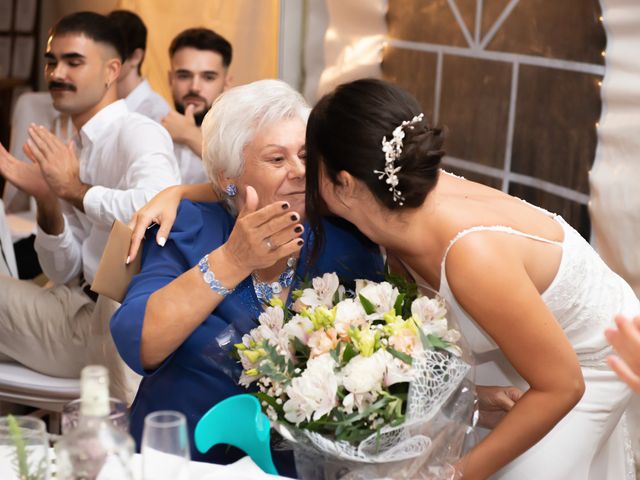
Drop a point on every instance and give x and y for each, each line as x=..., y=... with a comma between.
x=207, y=285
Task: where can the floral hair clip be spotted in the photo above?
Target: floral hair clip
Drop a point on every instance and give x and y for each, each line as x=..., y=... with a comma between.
x=392, y=150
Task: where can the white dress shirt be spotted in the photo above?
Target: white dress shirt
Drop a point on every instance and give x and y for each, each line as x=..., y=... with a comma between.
x=127, y=158
x=190, y=164
x=144, y=100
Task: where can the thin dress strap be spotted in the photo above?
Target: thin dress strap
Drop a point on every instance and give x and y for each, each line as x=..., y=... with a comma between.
x=493, y=228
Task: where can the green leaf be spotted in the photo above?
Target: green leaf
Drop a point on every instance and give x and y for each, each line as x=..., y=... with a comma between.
x=263, y=397
x=437, y=342
x=369, y=307
x=335, y=353
x=349, y=353
x=402, y=356
x=398, y=305
x=423, y=338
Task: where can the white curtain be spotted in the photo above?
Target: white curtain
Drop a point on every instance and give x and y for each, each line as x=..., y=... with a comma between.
x=615, y=194
x=354, y=38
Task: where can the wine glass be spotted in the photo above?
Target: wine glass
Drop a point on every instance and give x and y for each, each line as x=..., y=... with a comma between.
x=118, y=415
x=165, y=446
x=24, y=448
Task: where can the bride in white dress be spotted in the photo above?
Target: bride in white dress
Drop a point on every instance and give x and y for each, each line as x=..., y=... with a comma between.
x=531, y=296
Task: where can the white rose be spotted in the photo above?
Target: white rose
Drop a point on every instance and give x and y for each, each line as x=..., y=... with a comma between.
x=365, y=374
x=349, y=313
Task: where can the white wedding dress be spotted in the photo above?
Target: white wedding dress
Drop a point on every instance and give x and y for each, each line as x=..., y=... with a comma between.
x=591, y=442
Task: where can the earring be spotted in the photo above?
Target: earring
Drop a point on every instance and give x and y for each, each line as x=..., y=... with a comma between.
x=231, y=189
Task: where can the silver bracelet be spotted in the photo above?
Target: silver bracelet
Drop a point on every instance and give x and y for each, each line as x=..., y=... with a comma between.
x=210, y=279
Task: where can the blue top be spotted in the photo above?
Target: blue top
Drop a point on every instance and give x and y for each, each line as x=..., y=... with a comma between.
x=200, y=372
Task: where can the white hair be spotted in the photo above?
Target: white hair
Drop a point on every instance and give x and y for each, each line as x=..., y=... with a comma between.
x=236, y=116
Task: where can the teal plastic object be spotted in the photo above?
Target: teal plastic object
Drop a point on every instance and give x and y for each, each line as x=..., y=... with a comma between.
x=237, y=421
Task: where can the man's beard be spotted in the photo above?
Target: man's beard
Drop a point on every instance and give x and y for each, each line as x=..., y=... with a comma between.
x=198, y=117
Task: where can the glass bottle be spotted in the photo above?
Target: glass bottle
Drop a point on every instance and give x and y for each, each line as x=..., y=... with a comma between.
x=95, y=450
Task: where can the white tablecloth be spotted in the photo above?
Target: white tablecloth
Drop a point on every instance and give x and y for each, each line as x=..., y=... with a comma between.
x=243, y=469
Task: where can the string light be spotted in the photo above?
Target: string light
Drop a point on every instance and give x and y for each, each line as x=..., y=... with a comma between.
x=597, y=124
x=601, y=18
x=599, y=83
x=604, y=54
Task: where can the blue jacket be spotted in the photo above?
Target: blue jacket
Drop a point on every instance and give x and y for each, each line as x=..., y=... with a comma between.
x=201, y=372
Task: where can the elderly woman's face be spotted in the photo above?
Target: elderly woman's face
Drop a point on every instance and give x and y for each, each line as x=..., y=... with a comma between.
x=274, y=164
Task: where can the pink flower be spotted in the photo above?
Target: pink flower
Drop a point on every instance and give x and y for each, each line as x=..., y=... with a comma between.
x=404, y=340
x=322, y=341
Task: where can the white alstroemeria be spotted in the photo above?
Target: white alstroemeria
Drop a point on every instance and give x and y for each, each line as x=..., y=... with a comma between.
x=361, y=401
x=299, y=327
x=365, y=374
x=452, y=336
x=324, y=288
x=272, y=318
x=398, y=372
x=382, y=295
x=349, y=313
x=425, y=309
x=439, y=328
x=314, y=393
x=360, y=284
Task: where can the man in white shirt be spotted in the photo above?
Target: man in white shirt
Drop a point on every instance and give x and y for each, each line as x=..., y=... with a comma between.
x=135, y=89
x=123, y=159
x=200, y=60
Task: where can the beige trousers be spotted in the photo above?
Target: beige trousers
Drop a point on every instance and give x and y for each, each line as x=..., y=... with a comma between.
x=59, y=330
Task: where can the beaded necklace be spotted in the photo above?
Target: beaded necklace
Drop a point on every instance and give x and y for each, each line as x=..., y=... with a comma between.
x=266, y=290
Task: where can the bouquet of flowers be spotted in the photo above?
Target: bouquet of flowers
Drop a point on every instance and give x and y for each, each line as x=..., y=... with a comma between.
x=371, y=380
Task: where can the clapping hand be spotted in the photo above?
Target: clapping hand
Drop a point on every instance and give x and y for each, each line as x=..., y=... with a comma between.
x=26, y=177
x=626, y=341
x=58, y=163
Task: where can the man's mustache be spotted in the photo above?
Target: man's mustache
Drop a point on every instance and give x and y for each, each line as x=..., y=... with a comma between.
x=54, y=85
x=193, y=96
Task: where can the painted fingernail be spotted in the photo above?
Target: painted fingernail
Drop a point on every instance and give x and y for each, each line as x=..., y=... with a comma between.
x=300, y=242
x=128, y=260
x=298, y=229
x=162, y=241
x=294, y=217
x=285, y=206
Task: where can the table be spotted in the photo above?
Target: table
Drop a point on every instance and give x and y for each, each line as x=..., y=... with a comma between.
x=243, y=469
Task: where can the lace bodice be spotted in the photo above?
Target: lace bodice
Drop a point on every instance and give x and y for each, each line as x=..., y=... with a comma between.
x=584, y=296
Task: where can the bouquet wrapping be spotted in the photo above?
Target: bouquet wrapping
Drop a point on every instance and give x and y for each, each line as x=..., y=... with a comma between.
x=369, y=382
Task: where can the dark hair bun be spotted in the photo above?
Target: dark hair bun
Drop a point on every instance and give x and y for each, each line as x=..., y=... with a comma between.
x=420, y=161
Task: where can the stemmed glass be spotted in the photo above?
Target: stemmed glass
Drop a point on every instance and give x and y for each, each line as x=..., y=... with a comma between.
x=165, y=446
x=24, y=449
x=118, y=415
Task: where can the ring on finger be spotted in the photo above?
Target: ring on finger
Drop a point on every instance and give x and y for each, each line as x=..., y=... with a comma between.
x=268, y=243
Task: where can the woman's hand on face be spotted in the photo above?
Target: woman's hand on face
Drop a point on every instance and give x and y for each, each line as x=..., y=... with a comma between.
x=494, y=403
x=161, y=209
x=626, y=341
x=262, y=237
